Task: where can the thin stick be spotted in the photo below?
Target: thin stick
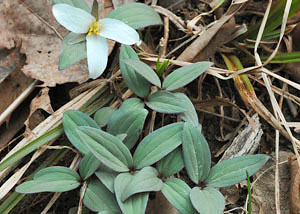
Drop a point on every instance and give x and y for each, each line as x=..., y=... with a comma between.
x=164, y=40
x=17, y=101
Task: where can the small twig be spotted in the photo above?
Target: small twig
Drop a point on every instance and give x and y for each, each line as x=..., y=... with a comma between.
x=164, y=40
x=41, y=19
x=60, y=147
x=221, y=108
x=183, y=44
x=179, y=23
x=17, y=101
x=79, y=211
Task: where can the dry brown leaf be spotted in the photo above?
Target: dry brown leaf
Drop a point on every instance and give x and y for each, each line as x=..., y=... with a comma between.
x=40, y=102
x=263, y=192
x=206, y=36
x=13, y=81
x=42, y=59
x=39, y=43
x=160, y=205
x=217, y=41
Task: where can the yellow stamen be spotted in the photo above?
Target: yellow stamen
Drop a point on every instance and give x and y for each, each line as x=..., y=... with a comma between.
x=94, y=29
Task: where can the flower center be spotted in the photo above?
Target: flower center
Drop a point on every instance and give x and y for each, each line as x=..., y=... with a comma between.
x=94, y=29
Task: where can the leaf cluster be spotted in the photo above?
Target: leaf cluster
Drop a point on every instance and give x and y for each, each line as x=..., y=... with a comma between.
x=121, y=171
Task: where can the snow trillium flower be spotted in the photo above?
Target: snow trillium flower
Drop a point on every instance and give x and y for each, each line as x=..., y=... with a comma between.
x=95, y=32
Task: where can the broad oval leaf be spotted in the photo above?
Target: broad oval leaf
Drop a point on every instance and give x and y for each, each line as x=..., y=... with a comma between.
x=129, y=122
x=103, y=115
x=56, y=172
x=190, y=115
x=166, y=102
x=88, y=165
x=135, y=82
x=136, y=15
x=135, y=204
x=35, y=186
x=106, y=176
x=184, y=75
x=157, y=145
x=107, y=148
x=232, y=171
x=196, y=153
x=177, y=193
x=75, y=3
x=71, y=54
x=98, y=198
x=131, y=104
x=207, y=201
x=73, y=119
x=171, y=164
x=144, y=70
x=145, y=180
x=51, y=179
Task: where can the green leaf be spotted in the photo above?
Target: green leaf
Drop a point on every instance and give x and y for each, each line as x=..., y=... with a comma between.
x=73, y=119
x=75, y=3
x=145, y=180
x=177, y=193
x=98, y=198
x=131, y=104
x=144, y=70
x=51, y=179
x=196, y=153
x=157, y=145
x=184, y=75
x=135, y=82
x=95, y=9
x=106, y=176
x=103, y=115
x=190, y=115
x=129, y=122
x=171, y=164
x=136, y=15
x=36, y=186
x=107, y=148
x=121, y=137
x=166, y=102
x=71, y=54
x=135, y=204
x=207, y=201
x=232, y=171
x=88, y=165
x=54, y=172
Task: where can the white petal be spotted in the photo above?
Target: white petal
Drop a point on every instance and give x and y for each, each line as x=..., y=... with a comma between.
x=119, y=31
x=72, y=18
x=97, y=54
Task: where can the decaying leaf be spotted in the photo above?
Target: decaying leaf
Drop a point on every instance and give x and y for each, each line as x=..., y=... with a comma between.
x=31, y=24
x=263, y=192
x=40, y=102
x=42, y=56
x=12, y=81
x=161, y=205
